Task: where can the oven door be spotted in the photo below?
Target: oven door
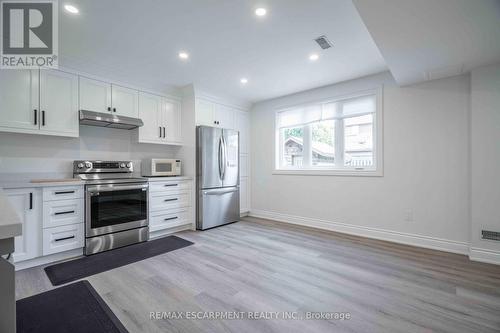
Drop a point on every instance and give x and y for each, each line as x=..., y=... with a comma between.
x=115, y=207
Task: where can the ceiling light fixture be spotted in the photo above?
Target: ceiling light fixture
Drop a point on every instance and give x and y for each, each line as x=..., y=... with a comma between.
x=183, y=55
x=314, y=57
x=71, y=9
x=260, y=12
x=244, y=80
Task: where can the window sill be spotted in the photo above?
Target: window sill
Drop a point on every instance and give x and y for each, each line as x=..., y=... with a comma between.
x=350, y=173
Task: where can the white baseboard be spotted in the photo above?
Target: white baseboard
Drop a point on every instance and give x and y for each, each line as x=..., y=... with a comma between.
x=483, y=255
x=48, y=259
x=375, y=233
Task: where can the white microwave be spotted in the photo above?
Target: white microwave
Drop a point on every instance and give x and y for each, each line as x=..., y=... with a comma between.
x=161, y=167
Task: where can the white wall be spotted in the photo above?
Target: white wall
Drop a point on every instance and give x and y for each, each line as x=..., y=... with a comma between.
x=25, y=153
x=485, y=161
x=426, y=168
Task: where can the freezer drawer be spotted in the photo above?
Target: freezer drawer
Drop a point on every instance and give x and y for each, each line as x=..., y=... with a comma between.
x=217, y=207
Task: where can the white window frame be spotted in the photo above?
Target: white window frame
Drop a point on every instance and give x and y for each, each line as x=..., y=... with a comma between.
x=378, y=144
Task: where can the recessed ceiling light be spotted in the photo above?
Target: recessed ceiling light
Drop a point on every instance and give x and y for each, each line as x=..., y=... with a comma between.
x=260, y=12
x=71, y=9
x=313, y=57
x=183, y=55
x=244, y=80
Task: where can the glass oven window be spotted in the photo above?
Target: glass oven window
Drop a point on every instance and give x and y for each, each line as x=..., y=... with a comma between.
x=164, y=167
x=117, y=207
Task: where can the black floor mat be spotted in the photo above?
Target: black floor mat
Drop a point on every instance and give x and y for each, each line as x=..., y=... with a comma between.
x=80, y=268
x=75, y=308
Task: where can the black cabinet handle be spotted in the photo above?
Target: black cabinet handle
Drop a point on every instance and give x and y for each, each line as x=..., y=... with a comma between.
x=64, y=238
x=164, y=131
x=109, y=108
x=43, y=118
x=160, y=131
x=114, y=109
x=170, y=218
x=62, y=213
x=167, y=200
x=170, y=185
x=36, y=116
x=64, y=192
x=31, y=200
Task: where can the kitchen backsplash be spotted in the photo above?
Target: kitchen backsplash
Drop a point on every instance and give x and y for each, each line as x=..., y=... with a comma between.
x=25, y=153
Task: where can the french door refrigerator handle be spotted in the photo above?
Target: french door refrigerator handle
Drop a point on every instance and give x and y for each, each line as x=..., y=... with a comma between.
x=224, y=160
x=220, y=158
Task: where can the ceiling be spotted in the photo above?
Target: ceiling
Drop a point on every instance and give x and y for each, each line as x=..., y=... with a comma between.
x=430, y=39
x=139, y=41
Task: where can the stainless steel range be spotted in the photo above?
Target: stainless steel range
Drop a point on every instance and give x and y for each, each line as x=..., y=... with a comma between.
x=116, y=204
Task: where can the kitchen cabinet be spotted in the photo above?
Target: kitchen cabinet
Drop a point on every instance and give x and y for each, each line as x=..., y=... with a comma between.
x=19, y=99
x=39, y=102
x=213, y=114
x=162, y=119
x=172, y=120
x=27, y=204
x=95, y=95
x=100, y=96
x=242, y=124
x=58, y=102
x=125, y=101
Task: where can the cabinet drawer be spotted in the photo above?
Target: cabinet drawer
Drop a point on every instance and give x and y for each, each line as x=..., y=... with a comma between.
x=168, y=219
x=62, y=212
x=62, y=193
x=169, y=201
x=169, y=186
x=63, y=238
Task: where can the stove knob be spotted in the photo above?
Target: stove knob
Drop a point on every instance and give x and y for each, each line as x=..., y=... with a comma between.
x=122, y=165
x=88, y=165
x=80, y=165
x=129, y=165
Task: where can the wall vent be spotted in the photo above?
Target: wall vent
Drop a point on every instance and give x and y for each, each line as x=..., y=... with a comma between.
x=491, y=235
x=323, y=42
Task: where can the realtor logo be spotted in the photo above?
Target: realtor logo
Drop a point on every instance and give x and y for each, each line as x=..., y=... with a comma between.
x=29, y=34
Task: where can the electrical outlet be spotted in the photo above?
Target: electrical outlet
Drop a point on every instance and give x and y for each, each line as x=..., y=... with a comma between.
x=409, y=215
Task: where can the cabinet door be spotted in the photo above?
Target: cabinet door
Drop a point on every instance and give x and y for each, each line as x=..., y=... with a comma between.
x=59, y=102
x=242, y=124
x=224, y=116
x=125, y=101
x=95, y=95
x=205, y=112
x=151, y=113
x=27, y=203
x=19, y=99
x=244, y=195
x=172, y=120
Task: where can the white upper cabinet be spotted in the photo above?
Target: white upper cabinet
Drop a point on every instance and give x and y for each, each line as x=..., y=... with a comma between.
x=172, y=120
x=59, y=102
x=151, y=113
x=95, y=95
x=205, y=112
x=19, y=99
x=224, y=116
x=242, y=124
x=125, y=101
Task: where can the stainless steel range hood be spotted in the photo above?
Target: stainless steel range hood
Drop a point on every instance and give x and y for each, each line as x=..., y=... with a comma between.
x=110, y=120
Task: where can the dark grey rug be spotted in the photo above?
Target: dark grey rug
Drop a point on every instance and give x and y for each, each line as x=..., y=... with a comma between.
x=76, y=308
x=80, y=268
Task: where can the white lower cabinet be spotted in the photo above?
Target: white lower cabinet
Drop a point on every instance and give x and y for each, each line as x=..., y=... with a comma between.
x=27, y=204
x=170, y=205
x=52, y=219
x=63, y=238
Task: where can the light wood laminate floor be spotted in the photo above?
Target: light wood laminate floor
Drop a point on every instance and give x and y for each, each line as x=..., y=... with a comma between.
x=259, y=265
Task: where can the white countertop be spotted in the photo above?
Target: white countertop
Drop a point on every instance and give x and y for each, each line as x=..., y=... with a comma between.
x=10, y=225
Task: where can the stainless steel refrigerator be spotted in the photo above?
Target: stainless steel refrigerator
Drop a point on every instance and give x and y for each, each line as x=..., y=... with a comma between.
x=218, y=177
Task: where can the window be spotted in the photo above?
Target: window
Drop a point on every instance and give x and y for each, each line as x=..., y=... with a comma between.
x=338, y=136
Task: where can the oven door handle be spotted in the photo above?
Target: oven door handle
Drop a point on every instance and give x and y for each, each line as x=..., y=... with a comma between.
x=111, y=188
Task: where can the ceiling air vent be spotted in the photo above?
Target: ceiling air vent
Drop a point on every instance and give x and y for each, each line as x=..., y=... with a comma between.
x=491, y=235
x=323, y=42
